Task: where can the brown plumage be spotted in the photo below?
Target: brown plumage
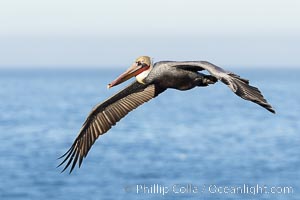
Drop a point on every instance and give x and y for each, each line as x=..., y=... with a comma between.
x=106, y=115
x=151, y=81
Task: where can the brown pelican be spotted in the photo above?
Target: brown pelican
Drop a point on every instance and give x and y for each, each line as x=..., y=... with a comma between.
x=151, y=80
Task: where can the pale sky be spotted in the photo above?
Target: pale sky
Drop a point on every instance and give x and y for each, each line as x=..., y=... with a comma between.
x=111, y=33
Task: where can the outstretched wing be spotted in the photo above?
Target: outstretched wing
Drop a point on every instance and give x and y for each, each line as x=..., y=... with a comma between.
x=104, y=116
x=238, y=85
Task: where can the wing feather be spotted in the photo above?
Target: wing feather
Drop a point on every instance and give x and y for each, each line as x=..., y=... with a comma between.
x=104, y=116
x=238, y=85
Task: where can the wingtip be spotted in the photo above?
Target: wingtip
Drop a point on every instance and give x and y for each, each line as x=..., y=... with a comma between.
x=272, y=111
x=62, y=169
x=269, y=108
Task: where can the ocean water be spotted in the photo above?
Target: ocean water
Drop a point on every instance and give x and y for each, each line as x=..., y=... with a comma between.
x=205, y=143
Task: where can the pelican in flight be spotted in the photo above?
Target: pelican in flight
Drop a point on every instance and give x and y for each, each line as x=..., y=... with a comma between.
x=151, y=80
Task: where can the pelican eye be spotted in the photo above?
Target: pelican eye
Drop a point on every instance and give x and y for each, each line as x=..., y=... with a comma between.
x=138, y=63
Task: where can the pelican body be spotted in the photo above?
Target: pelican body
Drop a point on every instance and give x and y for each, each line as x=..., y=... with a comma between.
x=151, y=80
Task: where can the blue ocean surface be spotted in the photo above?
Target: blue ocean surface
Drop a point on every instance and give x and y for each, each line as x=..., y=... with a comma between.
x=205, y=143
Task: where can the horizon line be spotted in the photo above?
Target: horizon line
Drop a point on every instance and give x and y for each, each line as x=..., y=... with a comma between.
x=108, y=67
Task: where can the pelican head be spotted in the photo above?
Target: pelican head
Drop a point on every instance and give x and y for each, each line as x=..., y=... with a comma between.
x=140, y=69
